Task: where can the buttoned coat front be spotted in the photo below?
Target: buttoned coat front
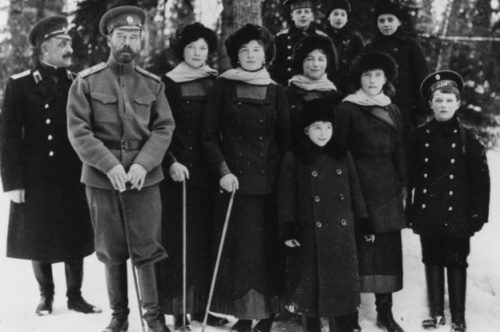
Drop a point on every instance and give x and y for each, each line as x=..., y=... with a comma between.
x=53, y=224
x=321, y=198
x=451, y=182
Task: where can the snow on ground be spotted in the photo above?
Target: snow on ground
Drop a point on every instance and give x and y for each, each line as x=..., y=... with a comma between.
x=19, y=293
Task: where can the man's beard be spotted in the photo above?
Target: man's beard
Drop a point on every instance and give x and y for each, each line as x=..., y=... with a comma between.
x=124, y=55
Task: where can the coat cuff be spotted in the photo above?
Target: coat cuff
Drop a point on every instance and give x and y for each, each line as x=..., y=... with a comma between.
x=223, y=169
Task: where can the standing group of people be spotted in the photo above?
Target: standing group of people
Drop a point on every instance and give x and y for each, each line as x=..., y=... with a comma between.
x=319, y=156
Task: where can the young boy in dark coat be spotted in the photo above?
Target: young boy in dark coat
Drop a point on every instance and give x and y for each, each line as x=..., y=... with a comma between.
x=451, y=188
x=319, y=207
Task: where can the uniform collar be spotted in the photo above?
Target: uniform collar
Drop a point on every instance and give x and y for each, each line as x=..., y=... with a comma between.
x=311, y=30
x=445, y=126
x=47, y=70
x=121, y=68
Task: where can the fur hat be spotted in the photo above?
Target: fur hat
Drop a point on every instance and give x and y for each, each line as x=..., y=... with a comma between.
x=390, y=7
x=319, y=109
x=246, y=34
x=338, y=4
x=297, y=4
x=440, y=79
x=373, y=60
x=310, y=43
x=190, y=33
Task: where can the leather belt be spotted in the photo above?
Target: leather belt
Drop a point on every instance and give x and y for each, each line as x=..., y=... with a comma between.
x=131, y=144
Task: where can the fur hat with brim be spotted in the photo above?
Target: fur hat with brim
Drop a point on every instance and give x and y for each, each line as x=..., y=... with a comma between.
x=246, y=34
x=374, y=60
x=310, y=43
x=338, y=4
x=319, y=109
x=440, y=79
x=190, y=33
x=390, y=7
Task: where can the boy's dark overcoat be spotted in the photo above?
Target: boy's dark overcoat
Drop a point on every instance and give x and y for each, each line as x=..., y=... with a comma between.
x=451, y=181
x=322, y=199
x=53, y=224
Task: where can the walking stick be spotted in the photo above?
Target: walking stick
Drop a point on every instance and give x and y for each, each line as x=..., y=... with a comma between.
x=184, y=254
x=217, y=261
x=126, y=228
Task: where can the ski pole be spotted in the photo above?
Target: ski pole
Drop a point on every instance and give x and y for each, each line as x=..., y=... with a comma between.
x=126, y=228
x=217, y=261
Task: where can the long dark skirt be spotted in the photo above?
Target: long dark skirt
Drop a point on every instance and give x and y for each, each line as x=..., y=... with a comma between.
x=381, y=263
x=199, y=230
x=251, y=270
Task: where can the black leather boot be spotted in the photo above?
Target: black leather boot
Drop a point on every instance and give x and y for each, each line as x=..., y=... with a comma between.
x=434, y=275
x=212, y=320
x=313, y=324
x=264, y=325
x=242, y=325
x=43, y=275
x=116, y=283
x=149, y=292
x=346, y=323
x=74, y=277
x=385, y=319
x=457, y=285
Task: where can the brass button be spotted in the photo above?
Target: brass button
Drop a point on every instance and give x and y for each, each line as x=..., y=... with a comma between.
x=47, y=121
x=49, y=138
x=46, y=106
x=318, y=224
x=452, y=176
x=261, y=138
x=343, y=222
x=450, y=193
x=426, y=145
x=452, y=160
x=453, y=145
x=450, y=208
x=341, y=197
x=316, y=199
x=51, y=153
x=425, y=175
x=423, y=206
x=426, y=160
x=314, y=173
x=187, y=101
x=424, y=191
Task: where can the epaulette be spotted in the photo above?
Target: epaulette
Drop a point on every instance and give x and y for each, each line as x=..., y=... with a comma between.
x=19, y=75
x=147, y=73
x=282, y=32
x=37, y=76
x=92, y=70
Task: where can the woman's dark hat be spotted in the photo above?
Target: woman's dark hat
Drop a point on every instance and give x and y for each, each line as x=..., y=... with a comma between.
x=123, y=16
x=47, y=28
x=310, y=43
x=390, y=7
x=374, y=60
x=297, y=4
x=190, y=33
x=319, y=109
x=246, y=34
x=338, y=4
x=440, y=79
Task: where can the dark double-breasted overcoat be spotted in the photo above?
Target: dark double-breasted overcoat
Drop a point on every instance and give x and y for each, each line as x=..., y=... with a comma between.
x=451, y=182
x=53, y=224
x=319, y=202
x=187, y=100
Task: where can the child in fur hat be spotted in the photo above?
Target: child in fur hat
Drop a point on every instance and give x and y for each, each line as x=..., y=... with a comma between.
x=320, y=207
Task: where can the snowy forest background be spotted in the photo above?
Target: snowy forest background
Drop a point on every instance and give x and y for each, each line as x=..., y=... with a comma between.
x=463, y=35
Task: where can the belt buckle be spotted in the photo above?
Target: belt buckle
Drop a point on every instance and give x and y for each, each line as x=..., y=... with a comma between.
x=123, y=145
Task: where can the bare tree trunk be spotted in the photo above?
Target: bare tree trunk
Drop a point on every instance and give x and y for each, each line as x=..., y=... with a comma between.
x=237, y=13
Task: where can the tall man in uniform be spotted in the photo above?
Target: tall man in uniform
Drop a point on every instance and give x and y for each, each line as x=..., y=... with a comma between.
x=49, y=218
x=120, y=124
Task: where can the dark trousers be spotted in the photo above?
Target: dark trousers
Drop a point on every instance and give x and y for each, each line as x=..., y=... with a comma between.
x=74, y=275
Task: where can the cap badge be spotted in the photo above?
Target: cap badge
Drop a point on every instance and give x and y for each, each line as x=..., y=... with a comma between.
x=130, y=19
x=438, y=77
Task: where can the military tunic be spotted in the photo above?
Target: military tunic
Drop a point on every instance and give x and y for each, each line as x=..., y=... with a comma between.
x=53, y=224
x=118, y=114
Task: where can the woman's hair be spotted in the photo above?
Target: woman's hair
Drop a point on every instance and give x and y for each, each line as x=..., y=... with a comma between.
x=191, y=33
x=309, y=44
x=245, y=35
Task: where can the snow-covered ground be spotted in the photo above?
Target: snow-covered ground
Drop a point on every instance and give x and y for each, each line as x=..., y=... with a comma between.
x=19, y=293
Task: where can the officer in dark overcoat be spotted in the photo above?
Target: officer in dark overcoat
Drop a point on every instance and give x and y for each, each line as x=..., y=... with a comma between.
x=120, y=124
x=451, y=188
x=301, y=24
x=49, y=219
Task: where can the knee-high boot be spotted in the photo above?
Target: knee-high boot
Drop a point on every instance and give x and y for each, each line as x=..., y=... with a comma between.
x=385, y=319
x=149, y=292
x=434, y=275
x=457, y=285
x=116, y=283
x=43, y=275
x=74, y=277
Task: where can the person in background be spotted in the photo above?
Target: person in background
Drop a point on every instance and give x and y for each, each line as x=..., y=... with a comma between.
x=302, y=24
x=321, y=210
x=347, y=43
x=49, y=219
x=120, y=124
x=312, y=57
x=370, y=126
x=187, y=87
x=246, y=132
x=451, y=188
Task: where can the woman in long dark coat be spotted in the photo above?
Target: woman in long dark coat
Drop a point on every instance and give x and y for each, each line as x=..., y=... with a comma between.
x=319, y=207
x=246, y=131
x=186, y=88
x=370, y=126
x=451, y=187
x=313, y=55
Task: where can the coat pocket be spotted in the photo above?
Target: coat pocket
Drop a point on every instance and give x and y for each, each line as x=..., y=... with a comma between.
x=142, y=107
x=105, y=107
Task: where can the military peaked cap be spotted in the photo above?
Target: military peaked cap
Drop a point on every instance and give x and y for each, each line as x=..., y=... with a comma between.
x=123, y=16
x=47, y=28
x=440, y=79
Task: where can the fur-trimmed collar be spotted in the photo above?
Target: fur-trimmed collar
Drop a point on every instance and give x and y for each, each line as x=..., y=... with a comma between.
x=308, y=152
